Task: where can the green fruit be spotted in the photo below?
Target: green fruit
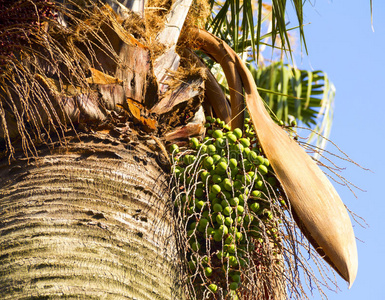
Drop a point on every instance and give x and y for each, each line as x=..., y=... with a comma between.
x=236, y=278
x=216, y=158
x=254, y=207
x=220, y=143
x=246, y=179
x=188, y=180
x=216, y=189
x=232, y=138
x=229, y=240
x=234, y=201
x=233, y=229
x=217, y=236
x=186, y=159
x=233, y=261
x=268, y=214
x=202, y=229
x=252, y=175
x=215, y=201
x=260, y=160
x=204, y=176
x=220, y=219
x=246, y=190
x=247, y=165
x=228, y=221
x=248, y=219
x=245, y=142
x=224, y=203
x=238, y=132
x=203, y=222
x=213, y=287
x=223, y=230
x=217, y=178
x=238, y=236
x=259, y=184
x=266, y=162
x=212, y=196
x=194, y=143
x=221, y=167
x=217, y=134
x=240, y=210
x=209, y=119
x=252, y=157
x=199, y=192
x=192, y=265
x=262, y=169
x=211, y=149
x=256, y=194
x=173, y=148
x=217, y=208
x=208, y=162
x=239, y=147
x=233, y=286
x=222, y=254
x=227, y=211
x=193, y=225
x=233, y=163
x=195, y=246
x=208, y=271
x=203, y=149
x=246, y=152
x=199, y=204
x=177, y=172
x=226, y=195
x=231, y=248
x=250, y=134
x=237, y=185
x=227, y=184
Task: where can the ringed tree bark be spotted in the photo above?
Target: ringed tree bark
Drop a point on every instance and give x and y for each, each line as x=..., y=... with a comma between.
x=88, y=221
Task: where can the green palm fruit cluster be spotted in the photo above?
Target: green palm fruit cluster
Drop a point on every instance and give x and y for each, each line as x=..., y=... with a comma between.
x=222, y=186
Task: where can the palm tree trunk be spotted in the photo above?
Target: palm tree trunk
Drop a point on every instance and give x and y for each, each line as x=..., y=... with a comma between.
x=90, y=220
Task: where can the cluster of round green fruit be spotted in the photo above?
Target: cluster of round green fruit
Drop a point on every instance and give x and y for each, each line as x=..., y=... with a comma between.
x=222, y=188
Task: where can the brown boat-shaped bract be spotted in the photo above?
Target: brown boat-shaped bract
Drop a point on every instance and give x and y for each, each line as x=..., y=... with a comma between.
x=316, y=205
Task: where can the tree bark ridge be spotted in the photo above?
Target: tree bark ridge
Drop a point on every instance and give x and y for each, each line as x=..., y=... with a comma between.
x=95, y=225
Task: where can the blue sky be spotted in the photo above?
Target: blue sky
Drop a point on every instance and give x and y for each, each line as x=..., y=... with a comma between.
x=341, y=42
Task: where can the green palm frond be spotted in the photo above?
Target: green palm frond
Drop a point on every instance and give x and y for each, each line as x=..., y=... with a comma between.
x=240, y=23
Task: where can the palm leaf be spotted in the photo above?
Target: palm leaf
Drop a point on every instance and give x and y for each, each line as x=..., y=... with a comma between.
x=236, y=18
